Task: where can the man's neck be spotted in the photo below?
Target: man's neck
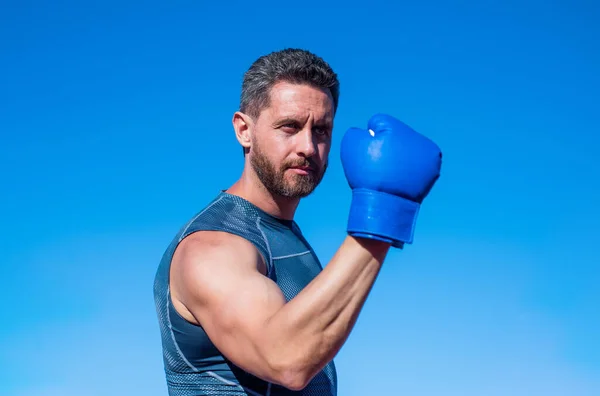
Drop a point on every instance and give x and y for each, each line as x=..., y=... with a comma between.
x=253, y=191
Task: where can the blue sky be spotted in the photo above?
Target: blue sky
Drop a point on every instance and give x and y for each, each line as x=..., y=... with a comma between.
x=115, y=128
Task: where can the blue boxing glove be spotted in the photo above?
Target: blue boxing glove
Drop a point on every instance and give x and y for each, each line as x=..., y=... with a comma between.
x=391, y=169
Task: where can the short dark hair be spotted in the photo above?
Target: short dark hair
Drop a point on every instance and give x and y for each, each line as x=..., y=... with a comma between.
x=290, y=65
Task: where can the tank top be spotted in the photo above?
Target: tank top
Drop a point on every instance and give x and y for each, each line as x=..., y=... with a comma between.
x=193, y=365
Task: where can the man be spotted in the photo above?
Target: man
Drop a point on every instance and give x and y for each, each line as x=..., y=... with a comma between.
x=244, y=305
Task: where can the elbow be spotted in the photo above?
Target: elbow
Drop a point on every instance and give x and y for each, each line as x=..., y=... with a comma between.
x=295, y=380
x=294, y=376
x=294, y=368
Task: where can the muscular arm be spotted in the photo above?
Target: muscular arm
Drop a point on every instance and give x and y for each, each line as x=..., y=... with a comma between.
x=218, y=278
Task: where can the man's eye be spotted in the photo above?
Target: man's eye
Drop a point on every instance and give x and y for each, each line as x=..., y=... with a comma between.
x=289, y=126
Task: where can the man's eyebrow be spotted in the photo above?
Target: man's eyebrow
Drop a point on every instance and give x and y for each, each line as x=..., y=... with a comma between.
x=287, y=119
x=326, y=123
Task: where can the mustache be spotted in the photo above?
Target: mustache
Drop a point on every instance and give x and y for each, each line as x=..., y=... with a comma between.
x=305, y=162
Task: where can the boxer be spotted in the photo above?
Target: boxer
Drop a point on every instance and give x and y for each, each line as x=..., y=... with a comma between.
x=244, y=305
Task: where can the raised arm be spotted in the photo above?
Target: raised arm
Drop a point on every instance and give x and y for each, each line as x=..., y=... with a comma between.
x=218, y=278
x=219, y=281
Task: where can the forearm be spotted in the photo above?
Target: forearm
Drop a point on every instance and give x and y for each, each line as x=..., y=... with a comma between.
x=308, y=331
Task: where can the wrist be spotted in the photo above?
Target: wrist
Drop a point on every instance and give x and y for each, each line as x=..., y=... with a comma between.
x=375, y=247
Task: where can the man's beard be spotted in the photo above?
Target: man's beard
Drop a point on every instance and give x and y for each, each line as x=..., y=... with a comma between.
x=275, y=181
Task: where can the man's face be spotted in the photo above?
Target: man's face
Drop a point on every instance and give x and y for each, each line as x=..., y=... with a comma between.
x=292, y=139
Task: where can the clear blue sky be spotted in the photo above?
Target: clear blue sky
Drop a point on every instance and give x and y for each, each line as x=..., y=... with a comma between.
x=115, y=128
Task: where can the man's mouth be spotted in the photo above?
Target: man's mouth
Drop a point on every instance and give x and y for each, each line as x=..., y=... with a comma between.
x=302, y=170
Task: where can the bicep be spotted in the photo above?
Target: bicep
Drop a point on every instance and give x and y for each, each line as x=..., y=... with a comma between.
x=230, y=298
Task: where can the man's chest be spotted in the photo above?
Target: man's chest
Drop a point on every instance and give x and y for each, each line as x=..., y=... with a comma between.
x=294, y=264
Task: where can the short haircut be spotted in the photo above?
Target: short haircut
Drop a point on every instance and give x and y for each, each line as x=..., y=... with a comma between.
x=291, y=65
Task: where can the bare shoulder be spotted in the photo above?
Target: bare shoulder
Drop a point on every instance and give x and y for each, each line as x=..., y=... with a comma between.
x=205, y=268
x=208, y=247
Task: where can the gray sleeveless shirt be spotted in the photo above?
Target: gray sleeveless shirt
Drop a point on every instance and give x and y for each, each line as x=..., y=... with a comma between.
x=192, y=363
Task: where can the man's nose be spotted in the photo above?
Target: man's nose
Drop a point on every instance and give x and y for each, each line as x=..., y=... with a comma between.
x=306, y=145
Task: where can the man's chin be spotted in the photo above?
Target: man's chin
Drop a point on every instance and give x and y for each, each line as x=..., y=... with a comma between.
x=301, y=192
x=292, y=191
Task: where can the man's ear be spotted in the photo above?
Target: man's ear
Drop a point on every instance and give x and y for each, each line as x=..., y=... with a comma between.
x=243, y=126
